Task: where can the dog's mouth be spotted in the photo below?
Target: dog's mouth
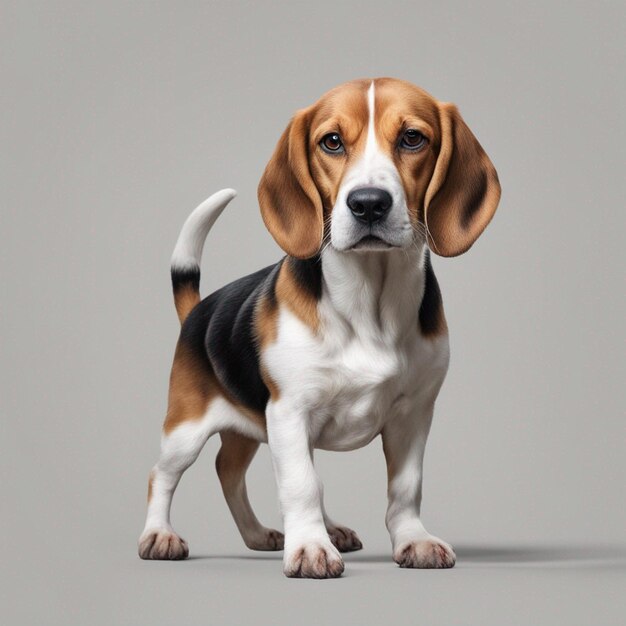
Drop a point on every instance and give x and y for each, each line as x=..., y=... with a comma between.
x=371, y=242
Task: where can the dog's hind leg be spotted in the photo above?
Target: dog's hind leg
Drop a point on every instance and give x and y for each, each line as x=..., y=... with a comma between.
x=179, y=449
x=193, y=416
x=232, y=462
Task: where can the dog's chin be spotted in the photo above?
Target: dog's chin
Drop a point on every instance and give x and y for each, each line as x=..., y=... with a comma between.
x=371, y=243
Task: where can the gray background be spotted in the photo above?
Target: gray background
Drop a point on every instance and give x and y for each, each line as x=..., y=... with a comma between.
x=118, y=119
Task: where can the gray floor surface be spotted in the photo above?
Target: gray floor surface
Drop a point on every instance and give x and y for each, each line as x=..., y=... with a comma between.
x=575, y=584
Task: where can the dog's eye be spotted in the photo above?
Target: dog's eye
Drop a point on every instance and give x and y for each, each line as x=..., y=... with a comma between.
x=412, y=139
x=332, y=143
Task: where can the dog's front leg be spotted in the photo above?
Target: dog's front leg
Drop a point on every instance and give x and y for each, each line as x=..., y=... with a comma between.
x=309, y=552
x=404, y=440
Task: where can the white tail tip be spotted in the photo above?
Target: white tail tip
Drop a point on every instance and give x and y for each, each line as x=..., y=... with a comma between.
x=188, y=249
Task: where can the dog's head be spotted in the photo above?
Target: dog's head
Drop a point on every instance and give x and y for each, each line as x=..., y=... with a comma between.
x=376, y=165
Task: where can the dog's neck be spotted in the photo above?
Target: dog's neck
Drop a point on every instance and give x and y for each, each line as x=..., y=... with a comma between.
x=377, y=293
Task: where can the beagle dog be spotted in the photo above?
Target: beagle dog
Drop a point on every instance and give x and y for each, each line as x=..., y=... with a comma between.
x=343, y=339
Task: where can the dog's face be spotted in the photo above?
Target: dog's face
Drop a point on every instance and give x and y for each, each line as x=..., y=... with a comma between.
x=376, y=165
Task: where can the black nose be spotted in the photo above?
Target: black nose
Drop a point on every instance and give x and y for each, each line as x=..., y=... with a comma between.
x=369, y=204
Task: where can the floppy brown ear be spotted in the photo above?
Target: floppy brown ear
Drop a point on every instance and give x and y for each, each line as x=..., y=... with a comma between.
x=290, y=203
x=464, y=191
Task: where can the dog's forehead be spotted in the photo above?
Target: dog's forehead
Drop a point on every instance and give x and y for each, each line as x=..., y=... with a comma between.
x=393, y=98
x=402, y=99
x=347, y=101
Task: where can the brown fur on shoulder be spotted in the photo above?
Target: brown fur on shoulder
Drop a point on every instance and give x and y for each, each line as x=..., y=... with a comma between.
x=299, y=301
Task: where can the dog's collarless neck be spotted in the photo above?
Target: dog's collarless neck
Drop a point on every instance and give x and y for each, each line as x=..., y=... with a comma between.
x=384, y=287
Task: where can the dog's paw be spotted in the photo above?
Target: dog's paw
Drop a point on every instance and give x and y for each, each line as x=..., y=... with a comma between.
x=162, y=544
x=313, y=560
x=430, y=552
x=266, y=539
x=344, y=539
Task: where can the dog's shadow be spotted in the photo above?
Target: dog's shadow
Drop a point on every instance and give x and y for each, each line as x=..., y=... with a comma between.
x=485, y=555
x=523, y=555
x=540, y=554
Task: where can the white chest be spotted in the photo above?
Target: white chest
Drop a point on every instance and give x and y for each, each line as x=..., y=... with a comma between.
x=368, y=382
x=351, y=384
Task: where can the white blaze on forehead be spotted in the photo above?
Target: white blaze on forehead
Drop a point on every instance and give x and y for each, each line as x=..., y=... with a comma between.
x=370, y=144
x=372, y=168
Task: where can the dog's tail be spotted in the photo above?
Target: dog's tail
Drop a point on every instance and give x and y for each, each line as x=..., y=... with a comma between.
x=185, y=265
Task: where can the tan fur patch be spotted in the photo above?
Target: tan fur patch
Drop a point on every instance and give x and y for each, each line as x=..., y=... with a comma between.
x=270, y=384
x=192, y=386
x=299, y=302
x=233, y=458
x=150, y=481
x=266, y=321
x=185, y=299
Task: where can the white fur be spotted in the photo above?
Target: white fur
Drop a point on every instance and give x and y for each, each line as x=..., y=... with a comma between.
x=188, y=249
x=179, y=450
